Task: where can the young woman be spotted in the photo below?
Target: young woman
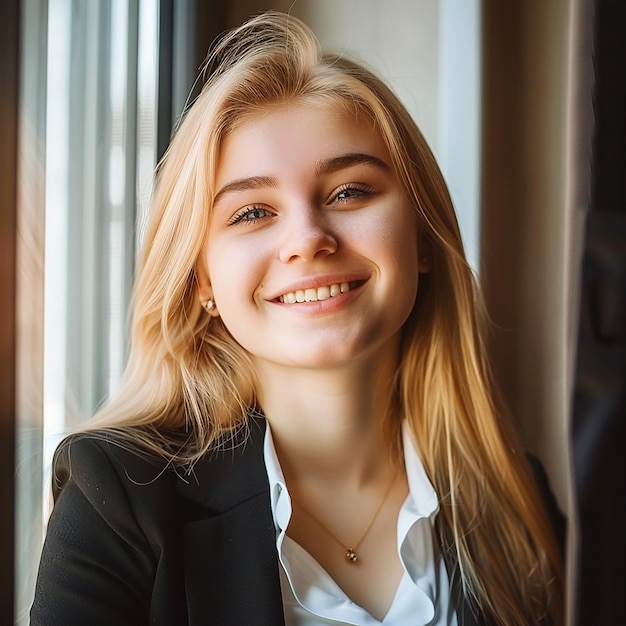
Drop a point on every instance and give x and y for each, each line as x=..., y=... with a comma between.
x=306, y=431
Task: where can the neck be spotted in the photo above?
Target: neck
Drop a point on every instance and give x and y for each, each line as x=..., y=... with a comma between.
x=330, y=424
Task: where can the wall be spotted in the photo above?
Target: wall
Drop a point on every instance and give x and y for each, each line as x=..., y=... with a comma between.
x=530, y=220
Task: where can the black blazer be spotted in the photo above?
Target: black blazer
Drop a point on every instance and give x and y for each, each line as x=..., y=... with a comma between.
x=133, y=542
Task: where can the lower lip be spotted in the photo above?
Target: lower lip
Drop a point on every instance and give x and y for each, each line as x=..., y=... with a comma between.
x=330, y=305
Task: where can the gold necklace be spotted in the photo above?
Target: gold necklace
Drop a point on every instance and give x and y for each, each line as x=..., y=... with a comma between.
x=351, y=555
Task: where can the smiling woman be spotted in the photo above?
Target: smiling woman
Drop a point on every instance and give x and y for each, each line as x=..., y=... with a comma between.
x=306, y=349
x=322, y=209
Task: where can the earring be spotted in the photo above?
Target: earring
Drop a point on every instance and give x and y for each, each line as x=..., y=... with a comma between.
x=209, y=305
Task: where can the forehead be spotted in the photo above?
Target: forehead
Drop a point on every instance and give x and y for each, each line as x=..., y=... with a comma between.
x=290, y=136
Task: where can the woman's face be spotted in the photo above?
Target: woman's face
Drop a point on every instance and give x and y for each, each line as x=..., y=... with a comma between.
x=311, y=255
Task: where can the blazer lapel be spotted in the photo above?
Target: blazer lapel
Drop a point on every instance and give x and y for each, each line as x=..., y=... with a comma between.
x=229, y=539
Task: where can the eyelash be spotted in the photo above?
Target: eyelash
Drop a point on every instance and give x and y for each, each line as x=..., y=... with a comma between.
x=240, y=216
x=360, y=189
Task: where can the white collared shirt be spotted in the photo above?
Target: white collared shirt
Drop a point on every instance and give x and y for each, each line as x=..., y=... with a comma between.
x=312, y=598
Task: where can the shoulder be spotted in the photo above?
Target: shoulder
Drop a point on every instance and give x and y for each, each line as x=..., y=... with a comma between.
x=94, y=461
x=113, y=519
x=130, y=493
x=104, y=466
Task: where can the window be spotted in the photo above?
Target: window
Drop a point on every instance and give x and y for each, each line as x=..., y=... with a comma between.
x=88, y=148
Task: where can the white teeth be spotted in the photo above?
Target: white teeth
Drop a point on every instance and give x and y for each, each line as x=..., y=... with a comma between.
x=323, y=293
x=315, y=295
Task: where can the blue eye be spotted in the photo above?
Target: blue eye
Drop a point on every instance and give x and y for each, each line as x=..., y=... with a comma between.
x=249, y=215
x=350, y=191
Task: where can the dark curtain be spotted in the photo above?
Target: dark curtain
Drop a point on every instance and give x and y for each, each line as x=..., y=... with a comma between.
x=9, y=95
x=599, y=417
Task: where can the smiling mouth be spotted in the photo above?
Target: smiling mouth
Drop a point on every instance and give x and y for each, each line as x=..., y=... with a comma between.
x=318, y=294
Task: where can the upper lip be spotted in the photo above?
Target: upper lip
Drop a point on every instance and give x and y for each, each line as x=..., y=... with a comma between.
x=314, y=282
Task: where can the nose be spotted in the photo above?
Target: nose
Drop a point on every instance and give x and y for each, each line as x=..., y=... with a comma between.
x=307, y=236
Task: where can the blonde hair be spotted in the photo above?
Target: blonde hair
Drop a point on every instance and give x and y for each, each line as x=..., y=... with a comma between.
x=188, y=385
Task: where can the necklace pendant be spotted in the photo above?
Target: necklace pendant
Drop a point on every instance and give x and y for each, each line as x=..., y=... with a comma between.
x=351, y=556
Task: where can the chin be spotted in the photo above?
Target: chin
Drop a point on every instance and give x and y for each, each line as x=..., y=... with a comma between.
x=308, y=359
x=331, y=358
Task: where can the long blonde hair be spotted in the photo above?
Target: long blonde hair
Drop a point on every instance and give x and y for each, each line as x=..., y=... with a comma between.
x=188, y=385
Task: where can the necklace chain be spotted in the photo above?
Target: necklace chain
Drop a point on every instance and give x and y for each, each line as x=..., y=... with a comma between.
x=351, y=554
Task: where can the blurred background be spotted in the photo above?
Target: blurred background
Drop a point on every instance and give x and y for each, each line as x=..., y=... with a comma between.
x=522, y=102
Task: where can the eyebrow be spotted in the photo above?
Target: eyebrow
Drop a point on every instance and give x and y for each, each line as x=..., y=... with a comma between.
x=244, y=184
x=335, y=164
x=325, y=166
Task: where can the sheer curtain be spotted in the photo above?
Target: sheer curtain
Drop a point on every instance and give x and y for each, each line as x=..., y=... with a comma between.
x=87, y=150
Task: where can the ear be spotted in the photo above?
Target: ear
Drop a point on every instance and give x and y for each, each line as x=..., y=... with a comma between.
x=205, y=290
x=424, y=262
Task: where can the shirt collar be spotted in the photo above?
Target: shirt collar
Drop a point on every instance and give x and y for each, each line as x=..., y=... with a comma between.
x=425, y=501
x=279, y=496
x=314, y=592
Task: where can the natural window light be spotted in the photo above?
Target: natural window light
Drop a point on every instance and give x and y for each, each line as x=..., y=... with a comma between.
x=88, y=151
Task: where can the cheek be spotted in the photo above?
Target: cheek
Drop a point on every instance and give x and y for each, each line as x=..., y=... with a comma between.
x=399, y=234
x=405, y=257
x=235, y=273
